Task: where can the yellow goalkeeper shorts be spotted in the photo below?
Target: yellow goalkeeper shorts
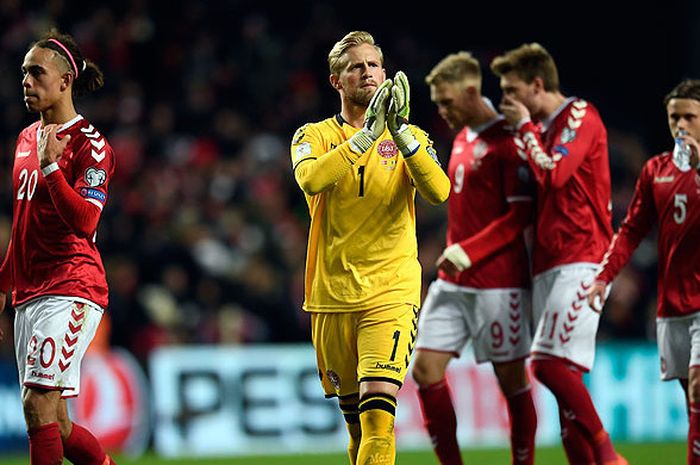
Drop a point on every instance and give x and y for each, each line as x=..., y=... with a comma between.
x=367, y=345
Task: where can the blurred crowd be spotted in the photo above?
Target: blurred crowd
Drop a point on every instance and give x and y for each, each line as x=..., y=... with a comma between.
x=204, y=233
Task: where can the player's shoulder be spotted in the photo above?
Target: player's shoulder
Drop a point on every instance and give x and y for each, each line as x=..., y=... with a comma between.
x=30, y=130
x=326, y=126
x=659, y=161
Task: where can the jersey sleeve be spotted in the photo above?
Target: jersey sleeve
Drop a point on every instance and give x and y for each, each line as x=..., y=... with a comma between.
x=641, y=217
x=316, y=169
x=573, y=143
x=518, y=189
x=424, y=169
x=6, y=270
x=80, y=204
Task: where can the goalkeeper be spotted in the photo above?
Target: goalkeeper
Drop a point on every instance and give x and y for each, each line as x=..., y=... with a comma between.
x=360, y=171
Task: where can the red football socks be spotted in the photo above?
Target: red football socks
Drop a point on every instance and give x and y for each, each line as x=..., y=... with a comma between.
x=567, y=386
x=45, y=446
x=523, y=425
x=576, y=446
x=694, y=434
x=440, y=421
x=82, y=448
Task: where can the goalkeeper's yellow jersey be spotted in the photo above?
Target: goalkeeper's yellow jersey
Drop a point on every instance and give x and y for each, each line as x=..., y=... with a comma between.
x=362, y=249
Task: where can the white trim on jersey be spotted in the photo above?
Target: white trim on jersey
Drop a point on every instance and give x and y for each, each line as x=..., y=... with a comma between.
x=70, y=123
x=566, y=265
x=95, y=202
x=48, y=169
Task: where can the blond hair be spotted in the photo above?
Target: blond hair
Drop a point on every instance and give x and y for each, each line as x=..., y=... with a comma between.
x=528, y=62
x=337, y=59
x=456, y=67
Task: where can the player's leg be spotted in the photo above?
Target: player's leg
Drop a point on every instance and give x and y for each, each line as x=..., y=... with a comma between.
x=442, y=334
x=501, y=322
x=435, y=398
x=676, y=340
x=79, y=444
x=40, y=413
x=61, y=331
x=512, y=378
x=335, y=340
x=385, y=341
x=694, y=392
x=564, y=344
x=350, y=407
x=577, y=447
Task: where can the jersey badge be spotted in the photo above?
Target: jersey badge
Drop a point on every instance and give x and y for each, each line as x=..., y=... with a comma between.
x=387, y=148
x=433, y=154
x=302, y=150
x=561, y=150
x=334, y=379
x=93, y=194
x=95, y=177
x=567, y=135
x=480, y=149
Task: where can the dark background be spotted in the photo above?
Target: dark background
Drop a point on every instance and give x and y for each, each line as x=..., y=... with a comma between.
x=204, y=235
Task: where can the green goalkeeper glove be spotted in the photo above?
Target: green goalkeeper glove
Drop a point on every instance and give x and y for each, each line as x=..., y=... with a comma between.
x=397, y=118
x=375, y=120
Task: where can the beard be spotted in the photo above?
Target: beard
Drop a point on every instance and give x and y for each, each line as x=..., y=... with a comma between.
x=362, y=96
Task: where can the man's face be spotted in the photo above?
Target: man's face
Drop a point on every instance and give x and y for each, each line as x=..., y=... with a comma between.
x=451, y=99
x=684, y=113
x=516, y=88
x=44, y=79
x=363, y=73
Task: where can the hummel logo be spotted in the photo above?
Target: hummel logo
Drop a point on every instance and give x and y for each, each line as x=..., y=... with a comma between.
x=660, y=179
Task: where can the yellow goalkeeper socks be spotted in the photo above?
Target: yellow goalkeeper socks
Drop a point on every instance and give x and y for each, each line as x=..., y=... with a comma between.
x=377, y=446
x=352, y=421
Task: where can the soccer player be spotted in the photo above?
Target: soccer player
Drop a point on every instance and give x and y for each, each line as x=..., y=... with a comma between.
x=359, y=171
x=61, y=172
x=482, y=289
x=667, y=194
x=568, y=154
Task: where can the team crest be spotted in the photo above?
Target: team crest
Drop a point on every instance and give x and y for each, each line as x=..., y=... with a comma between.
x=387, y=148
x=95, y=177
x=567, y=135
x=480, y=149
x=334, y=379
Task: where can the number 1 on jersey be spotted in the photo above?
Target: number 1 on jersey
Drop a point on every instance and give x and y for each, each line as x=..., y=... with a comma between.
x=361, y=172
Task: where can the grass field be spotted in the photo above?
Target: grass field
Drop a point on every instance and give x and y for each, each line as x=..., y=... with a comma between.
x=637, y=454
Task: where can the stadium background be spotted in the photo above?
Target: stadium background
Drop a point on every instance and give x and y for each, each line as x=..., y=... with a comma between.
x=204, y=234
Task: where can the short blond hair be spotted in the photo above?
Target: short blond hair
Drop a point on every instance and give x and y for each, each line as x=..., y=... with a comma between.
x=529, y=61
x=337, y=59
x=455, y=67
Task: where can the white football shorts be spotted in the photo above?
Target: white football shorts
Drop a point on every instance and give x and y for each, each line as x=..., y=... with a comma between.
x=566, y=324
x=497, y=321
x=51, y=337
x=678, y=339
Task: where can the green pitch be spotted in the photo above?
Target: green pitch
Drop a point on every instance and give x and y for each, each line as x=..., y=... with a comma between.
x=637, y=454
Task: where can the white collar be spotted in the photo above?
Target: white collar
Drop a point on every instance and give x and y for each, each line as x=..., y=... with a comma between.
x=551, y=117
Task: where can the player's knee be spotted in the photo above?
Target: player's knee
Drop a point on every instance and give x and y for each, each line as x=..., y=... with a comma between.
x=425, y=373
x=694, y=388
x=540, y=370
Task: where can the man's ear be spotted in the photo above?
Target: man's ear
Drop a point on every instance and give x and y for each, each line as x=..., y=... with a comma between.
x=66, y=81
x=538, y=84
x=334, y=79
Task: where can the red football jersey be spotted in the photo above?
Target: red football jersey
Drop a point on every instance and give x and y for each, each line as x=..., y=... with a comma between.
x=48, y=254
x=667, y=196
x=569, y=157
x=487, y=176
